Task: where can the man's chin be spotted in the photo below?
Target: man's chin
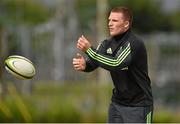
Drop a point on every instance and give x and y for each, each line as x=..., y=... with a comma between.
x=112, y=34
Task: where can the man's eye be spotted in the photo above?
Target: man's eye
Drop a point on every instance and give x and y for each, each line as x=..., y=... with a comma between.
x=115, y=20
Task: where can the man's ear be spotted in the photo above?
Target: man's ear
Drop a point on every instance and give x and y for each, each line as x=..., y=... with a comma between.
x=126, y=24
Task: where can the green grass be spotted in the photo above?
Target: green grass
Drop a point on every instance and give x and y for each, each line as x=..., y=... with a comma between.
x=53, y=102
x=165, y=115
x=68, y=102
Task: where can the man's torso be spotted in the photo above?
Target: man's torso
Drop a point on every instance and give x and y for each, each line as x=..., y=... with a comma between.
x=132, y=84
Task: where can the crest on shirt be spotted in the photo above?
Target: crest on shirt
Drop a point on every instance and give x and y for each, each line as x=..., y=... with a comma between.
x=109, y=51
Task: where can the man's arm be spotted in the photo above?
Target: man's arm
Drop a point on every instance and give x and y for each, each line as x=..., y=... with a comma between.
x=121, y=60
x=90, y=65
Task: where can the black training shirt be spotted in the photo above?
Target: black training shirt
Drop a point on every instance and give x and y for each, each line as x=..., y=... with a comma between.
x=125, y=57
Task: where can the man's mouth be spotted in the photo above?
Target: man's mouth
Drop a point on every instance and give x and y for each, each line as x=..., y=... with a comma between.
x=110, y=29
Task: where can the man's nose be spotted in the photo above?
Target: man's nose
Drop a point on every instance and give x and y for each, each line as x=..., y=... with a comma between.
x=110, y=23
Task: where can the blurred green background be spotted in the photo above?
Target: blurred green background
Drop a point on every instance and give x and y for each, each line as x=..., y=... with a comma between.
x=46, y=31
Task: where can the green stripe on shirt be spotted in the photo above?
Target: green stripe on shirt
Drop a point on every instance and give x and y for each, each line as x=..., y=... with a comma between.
x=109, y=61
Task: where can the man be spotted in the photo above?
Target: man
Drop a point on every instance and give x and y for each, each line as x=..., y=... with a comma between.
x=124, y=56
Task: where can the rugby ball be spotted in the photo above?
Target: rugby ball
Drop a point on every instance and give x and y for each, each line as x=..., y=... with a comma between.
x=20, y=67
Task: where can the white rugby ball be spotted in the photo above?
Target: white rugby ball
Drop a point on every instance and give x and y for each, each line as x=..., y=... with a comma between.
x=20, y=67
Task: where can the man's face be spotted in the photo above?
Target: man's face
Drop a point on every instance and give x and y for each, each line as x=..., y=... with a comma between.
x=117, y=24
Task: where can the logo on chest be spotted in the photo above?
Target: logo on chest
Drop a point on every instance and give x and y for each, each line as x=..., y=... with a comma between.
x=125, y=69
x=109, y=51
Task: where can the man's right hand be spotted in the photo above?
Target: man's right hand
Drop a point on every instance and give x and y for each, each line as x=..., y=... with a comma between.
x=79, y=63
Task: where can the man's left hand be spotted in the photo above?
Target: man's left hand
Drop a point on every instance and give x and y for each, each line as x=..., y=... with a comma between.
x=83, y=44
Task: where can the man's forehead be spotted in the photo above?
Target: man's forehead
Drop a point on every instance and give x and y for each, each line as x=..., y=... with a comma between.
x=116, y=15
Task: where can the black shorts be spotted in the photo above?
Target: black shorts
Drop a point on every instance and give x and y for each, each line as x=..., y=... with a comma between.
x=125, y=114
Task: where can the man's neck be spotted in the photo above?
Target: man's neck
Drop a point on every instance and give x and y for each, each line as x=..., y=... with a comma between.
x=119, y=36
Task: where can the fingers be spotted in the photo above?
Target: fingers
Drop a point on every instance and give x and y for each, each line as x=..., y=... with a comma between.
x=76, y=64
x=83, y=37
x=79, y=63
x=79, y=56
x=81, y=41
x=83, y=44
x=80, y=44
x=78, y=67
